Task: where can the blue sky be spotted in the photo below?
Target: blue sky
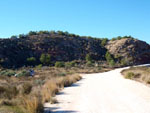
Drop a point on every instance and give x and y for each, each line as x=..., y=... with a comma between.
x=98, y=18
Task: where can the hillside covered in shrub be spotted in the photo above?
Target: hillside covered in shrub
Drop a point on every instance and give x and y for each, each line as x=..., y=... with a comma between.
x=47, y=47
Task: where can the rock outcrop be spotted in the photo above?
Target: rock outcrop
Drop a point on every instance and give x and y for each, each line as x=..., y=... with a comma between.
x=14, y=52
x=131, y=50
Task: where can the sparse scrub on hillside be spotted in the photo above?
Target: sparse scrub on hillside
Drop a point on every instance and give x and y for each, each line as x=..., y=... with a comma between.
x=59, y=64
x=120, y=37
x=70, y=64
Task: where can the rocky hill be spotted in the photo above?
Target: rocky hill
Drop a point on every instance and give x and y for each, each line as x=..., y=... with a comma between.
x=132, y=51
x=62, y=46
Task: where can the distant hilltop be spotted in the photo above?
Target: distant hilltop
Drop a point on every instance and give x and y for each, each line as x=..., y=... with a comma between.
x=24, y=50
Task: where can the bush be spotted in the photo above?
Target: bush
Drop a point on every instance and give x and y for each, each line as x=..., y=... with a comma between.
x=112, y=62
x=39, y=82
x=59, y=64
x=70, y=64
x=31, y=60
x=14, y=37
x=109, y=57
x=8, y=92
x=32, y=33
x=89, y=63
x=123, y=62
x=129, y=75
x=33, y=104
x=113, y=39
x=62, y=74
x=45, y=59
x=27, y=87
x=88, y=58
x=24, y=73
x=39, y=66
x=104, y=41
x=7, y=73
x=60, y=33
x=22, y=36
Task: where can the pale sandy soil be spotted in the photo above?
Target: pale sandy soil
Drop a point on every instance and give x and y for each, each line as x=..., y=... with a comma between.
x=105, y=92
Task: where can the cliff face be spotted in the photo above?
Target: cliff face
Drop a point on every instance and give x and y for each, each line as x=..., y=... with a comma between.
x=132, y=50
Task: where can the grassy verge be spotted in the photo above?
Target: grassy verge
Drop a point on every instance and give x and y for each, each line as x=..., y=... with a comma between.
x=24, y=94
x=141, y=74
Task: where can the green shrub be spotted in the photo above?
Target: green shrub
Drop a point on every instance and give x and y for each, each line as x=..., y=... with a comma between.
x=32, y=33
x=123, y=62
x=70, y=64
x=59, y=64
x=104, y=42
x=110, y=59
x=60, y=33
x=45, y=59
x=112, y=62
x=23, y=73
x=89, y=64
x=14, y=37
x=31, y=60
x=39, y=66
x=7, y=73
x=99, y=68
x=113, y=39
x=88, y=58
x=130, y=75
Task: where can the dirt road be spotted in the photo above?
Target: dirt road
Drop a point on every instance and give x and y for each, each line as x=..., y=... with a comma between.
x=105, y=92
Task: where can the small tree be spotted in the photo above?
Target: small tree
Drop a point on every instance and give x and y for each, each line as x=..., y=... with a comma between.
x=45, y=59
x=48, y=59
x=108, y=56
x=32, y=33
x=14, y=37
x=112, y=63
x=22, y=36
x=104, y=41
x=88, y=58
x=42, y=58
x=60, y=33
x=31, y=60
x=109, y=59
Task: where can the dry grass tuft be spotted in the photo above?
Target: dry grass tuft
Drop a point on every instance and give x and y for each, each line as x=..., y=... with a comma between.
x=141, y=74
x=28, y=94
x=32, y=104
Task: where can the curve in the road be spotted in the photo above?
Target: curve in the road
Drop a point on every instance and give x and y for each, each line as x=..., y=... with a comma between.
x=105, y=92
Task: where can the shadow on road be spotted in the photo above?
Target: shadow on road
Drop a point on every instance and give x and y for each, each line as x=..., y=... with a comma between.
x=68, y=111
x=50, y=110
